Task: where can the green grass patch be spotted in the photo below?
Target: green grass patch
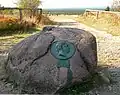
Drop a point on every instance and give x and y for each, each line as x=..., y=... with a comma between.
x=7, y=41
x=23, y=31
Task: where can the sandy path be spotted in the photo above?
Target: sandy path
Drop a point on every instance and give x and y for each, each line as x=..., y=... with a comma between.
x=68, y=21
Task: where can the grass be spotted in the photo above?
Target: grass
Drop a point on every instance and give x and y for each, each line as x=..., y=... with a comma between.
x=45, y=20
x=105, y=22
x=12, y=25
x=8, y=41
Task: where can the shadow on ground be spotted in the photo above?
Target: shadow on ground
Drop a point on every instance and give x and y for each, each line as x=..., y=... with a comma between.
x=9, y=33
x=66, y=23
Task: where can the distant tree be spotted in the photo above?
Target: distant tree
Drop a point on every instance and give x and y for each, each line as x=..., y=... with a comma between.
x=107, y=8
x=116, y=5
x=32, y=4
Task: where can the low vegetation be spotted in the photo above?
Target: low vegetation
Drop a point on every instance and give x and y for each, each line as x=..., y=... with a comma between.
x=7, y=42
x=105, y=22
x=10, y=25
x=46, y=21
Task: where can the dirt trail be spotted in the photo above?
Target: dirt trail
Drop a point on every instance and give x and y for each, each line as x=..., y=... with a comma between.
x=108, y=47
x=68, y=21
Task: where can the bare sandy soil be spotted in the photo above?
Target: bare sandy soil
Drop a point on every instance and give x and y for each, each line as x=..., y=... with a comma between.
x=108, y=54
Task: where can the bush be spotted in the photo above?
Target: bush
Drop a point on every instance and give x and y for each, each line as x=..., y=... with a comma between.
x=46, y=21
x=12, y=25
x=107, y=9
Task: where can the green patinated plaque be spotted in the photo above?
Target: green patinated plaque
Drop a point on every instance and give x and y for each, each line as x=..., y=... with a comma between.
x=62, y=50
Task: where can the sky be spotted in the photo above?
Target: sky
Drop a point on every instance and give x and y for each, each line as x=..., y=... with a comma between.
x=64, y=3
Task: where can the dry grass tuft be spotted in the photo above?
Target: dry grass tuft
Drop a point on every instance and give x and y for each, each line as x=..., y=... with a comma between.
x=105, y=22
x=46, y=21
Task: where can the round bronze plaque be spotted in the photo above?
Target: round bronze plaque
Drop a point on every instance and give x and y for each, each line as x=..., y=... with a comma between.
x=62, y=50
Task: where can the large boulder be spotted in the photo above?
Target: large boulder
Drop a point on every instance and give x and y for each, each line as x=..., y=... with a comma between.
x=54, y=59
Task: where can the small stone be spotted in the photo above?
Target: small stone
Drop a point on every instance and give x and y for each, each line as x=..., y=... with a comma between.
x=104, y=78
x=110, y=88
x=90, y=93
x=97, y=93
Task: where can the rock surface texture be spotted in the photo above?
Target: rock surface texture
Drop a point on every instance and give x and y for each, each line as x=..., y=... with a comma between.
x=54, y=59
